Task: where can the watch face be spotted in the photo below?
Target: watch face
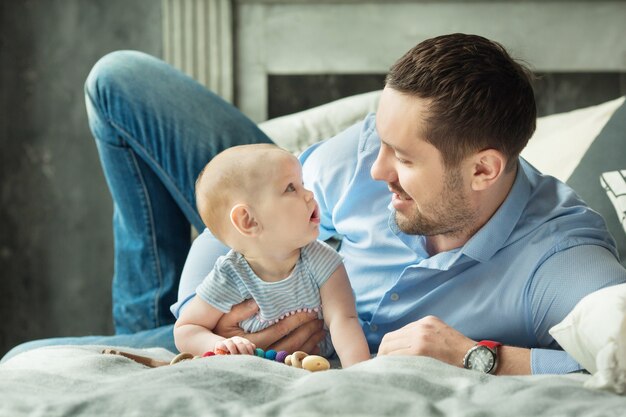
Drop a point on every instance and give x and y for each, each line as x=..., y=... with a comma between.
x=481, y=359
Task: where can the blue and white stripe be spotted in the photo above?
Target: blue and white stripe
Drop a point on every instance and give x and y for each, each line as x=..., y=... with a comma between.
x=232, y=281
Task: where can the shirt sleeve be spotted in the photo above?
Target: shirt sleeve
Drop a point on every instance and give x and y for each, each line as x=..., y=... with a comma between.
x=322, y=261
x=201, y=258
x=558, y=285
x=551, y=361
x=219, y=288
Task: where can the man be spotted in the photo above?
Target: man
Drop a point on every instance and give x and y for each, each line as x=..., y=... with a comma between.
x=456, y=248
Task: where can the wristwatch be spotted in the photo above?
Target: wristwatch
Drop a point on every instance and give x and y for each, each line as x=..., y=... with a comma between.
x=482, y=357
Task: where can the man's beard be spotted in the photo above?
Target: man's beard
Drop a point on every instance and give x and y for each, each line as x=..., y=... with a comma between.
x=451, y=214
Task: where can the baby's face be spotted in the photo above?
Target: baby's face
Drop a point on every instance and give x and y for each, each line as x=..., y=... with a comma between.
x=288, y=211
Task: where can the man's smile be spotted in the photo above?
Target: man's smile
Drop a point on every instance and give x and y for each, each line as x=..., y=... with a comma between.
x=399, y=194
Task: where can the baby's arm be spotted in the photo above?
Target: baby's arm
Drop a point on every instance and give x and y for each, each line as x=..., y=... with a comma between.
x=341, y=318
x=193, y=331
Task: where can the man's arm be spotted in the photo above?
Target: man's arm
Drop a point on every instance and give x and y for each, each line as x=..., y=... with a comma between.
x=301, y=331
x=558, y=285
x=562, y=280
x=432, y=337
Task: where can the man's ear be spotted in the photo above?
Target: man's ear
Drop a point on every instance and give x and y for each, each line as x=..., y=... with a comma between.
x=488, y=166
x=242, y=219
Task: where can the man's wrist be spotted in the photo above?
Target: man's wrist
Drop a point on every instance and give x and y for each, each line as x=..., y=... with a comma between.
x=513, y=361
x=482, y=357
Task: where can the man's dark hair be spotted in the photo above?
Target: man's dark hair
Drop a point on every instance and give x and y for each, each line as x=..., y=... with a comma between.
x=478, y=96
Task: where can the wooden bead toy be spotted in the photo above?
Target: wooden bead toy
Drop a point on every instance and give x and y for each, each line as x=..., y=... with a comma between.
x=315, y=363
x=297, y=359
x=270, y=354
x=280, y=356
x=144, y=360
x=181, y=357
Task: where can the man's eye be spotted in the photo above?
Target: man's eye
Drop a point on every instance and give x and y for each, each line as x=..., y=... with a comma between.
x=290, y=188
x=402, y=161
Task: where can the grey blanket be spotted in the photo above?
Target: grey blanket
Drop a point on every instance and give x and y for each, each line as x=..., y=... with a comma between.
x=80, y=381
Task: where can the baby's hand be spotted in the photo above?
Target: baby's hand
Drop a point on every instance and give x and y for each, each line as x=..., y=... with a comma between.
x=236, y=345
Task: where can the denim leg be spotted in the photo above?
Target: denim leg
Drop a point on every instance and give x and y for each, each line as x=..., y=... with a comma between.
x=159, y=337
x=155, y=129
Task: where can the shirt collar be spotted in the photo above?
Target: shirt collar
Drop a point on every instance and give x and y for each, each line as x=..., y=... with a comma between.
x=494, y=234
x=488, y=240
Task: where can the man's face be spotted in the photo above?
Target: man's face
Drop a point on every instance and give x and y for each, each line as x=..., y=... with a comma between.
x=429, y=198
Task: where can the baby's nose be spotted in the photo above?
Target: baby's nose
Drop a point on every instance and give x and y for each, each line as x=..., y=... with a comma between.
x=308, y=195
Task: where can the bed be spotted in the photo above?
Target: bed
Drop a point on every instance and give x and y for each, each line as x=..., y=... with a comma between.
x=586, y=148
x=80, y=381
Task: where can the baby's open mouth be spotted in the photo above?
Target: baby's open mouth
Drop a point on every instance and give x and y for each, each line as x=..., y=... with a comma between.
x=315, y=216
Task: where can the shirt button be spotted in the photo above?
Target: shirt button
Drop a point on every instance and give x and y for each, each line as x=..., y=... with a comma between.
x=394, y=296
x=373, y=327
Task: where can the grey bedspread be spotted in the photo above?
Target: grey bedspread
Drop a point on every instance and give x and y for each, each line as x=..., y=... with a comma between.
x=79, y=381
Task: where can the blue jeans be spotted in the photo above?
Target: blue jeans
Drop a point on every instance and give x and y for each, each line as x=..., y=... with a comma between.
x=155, y=129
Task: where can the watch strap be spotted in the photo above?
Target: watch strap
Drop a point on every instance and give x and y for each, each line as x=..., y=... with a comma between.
x=490, y=344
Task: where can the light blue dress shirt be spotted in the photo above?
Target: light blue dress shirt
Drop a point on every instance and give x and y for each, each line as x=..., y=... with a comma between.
x=520, y=274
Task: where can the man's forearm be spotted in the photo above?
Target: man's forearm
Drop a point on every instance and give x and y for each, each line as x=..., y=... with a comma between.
x=513, y=361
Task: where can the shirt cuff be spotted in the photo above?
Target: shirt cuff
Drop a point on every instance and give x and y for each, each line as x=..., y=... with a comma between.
x=550, y=361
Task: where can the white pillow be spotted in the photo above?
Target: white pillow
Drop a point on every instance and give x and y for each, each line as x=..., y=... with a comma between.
x=296, y=132
x=594, y=334
x=561, y=139
x=614, y=183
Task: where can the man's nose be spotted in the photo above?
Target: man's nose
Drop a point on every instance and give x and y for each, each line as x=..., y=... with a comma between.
x=382, y=170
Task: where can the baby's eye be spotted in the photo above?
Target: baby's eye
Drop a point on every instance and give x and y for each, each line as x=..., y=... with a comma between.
x=290, y=188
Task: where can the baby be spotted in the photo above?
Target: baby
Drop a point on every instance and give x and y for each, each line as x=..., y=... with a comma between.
x=251, y=198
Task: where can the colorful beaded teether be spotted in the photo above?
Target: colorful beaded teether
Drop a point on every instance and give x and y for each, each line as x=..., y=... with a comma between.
x=297, y=359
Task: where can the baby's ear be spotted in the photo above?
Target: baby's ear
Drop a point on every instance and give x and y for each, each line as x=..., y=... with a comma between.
x=242, y=219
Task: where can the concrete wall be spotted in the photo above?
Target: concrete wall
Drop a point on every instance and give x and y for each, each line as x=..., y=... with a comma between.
x=56, y=245
x=296, y=37
x=555, y=92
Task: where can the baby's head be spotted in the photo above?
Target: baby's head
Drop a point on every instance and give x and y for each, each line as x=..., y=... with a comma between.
x=253, y=194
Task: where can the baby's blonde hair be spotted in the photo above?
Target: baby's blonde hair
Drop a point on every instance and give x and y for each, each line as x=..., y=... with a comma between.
x=234, y=176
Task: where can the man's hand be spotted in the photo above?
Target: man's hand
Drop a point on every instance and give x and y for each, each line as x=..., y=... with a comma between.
x=432, y=337
x=301, y=331
x=428, y=336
